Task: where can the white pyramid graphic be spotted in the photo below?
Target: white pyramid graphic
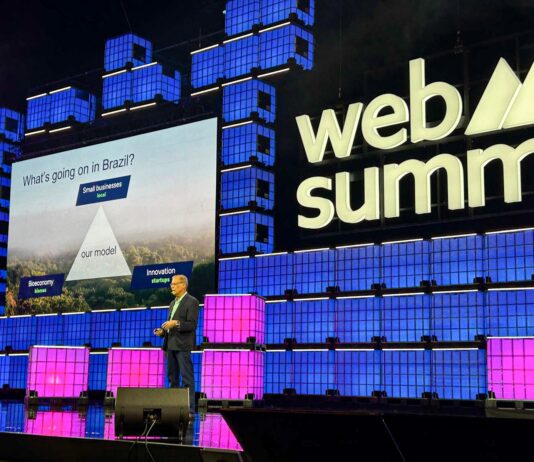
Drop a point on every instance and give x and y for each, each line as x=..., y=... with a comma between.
x=100, y=255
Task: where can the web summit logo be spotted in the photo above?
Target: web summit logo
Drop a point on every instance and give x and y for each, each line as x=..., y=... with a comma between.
x=506, y=103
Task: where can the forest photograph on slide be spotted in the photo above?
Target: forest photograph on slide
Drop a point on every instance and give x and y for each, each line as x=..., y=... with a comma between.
x=89, y=216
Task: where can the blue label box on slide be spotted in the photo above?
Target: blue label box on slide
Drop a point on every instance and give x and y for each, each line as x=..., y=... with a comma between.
x=160, y=275
x=41, y=286
x=103, y=191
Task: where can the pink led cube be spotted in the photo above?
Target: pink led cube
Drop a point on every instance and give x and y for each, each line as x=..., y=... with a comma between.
x=58, y=372
x=232, y=374
x=56, y=423
x=234, y=318
x=215, y=433
x=511, y=368
x=129, y=367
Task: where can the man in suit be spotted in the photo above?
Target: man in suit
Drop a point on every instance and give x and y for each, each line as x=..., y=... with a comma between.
x=179, y=332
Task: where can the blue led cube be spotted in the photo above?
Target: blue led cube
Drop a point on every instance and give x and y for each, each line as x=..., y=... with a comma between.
x=510, y=256
x=117, y=90
x=358, y=319
x=458, y=374
x=273, y=11
x=406, y=318
x=241, y=15
x=279, y=323
x=279, y=45
x=155, y=80
x=207, y=66
x=357, y=268
x=457, y=260
x=358, y=373
x=314, y=271
x=406, y=374
x=246, y=143
x=405, y=264
x=11, y=124
x=458, y=317
x=61, y=106
x=38, y=111
x=244, y=99
x=240, y=188
x=237, y=276
x=274, y=274
x=241, y=56
x=126, y=49
x=510, y=313
x=240, y=232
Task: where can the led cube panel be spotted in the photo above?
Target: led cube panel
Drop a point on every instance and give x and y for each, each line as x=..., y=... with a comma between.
x=232, y=374
x=458, y=317
x=510, y=256
x=274, y=274
x=406, y=374
x=234, y=318
x=240, y=231
x=358, y=319
x=511, y=368
x=273, y=11
x=459, y=374
x=405, y=264
x=357, y=373
x=457, y=260
x=314, y=271
x=244, y=99
x=406, y=319
x=117, y=89
x=57, y=372
x=241, y=56
x=236, y=275
x=357, y=268
x=240, y=188
x=127, y=48
x=207, y=66
x=246, y=143
x=241, y=15
x=282, y=45
x=135, y=368
x=11, y=124
x=61, y=106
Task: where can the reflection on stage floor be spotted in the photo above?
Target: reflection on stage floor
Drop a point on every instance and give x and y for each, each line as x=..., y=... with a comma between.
x=96, y=421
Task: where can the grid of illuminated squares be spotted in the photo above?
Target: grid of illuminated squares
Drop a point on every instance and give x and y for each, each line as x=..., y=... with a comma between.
x=56, y=107
x=503, y=257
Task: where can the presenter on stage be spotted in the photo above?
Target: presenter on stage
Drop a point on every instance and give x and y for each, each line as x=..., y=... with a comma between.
x=179, y=332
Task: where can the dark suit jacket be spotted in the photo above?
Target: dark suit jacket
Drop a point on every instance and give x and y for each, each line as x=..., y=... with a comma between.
x=183, y=338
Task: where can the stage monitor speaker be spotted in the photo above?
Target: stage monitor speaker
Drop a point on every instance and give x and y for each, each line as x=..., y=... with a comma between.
x=136, y=410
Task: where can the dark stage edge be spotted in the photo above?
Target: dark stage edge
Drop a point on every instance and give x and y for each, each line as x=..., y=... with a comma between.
x=283, y=435
x=35, y=448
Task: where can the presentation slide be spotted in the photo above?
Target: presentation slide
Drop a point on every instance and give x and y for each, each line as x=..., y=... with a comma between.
x=83, y=221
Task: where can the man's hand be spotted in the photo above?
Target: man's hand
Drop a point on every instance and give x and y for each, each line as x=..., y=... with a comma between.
x=168, y=325
x=159, y=332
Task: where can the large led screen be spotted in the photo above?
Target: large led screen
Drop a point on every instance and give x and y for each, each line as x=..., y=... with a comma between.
x=87, y=219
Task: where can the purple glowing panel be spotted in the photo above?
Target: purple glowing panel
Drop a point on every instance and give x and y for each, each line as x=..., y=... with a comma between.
x=57, y=372
x=232, y=374
x=234, y=318
x=56, y=423
x=135, y=368
x=215, y=433
x=511, y=368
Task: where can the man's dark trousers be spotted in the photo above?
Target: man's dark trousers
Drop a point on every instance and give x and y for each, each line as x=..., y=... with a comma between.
x=181, y=363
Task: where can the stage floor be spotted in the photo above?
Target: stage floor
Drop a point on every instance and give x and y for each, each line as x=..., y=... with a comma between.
x=98, y=422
